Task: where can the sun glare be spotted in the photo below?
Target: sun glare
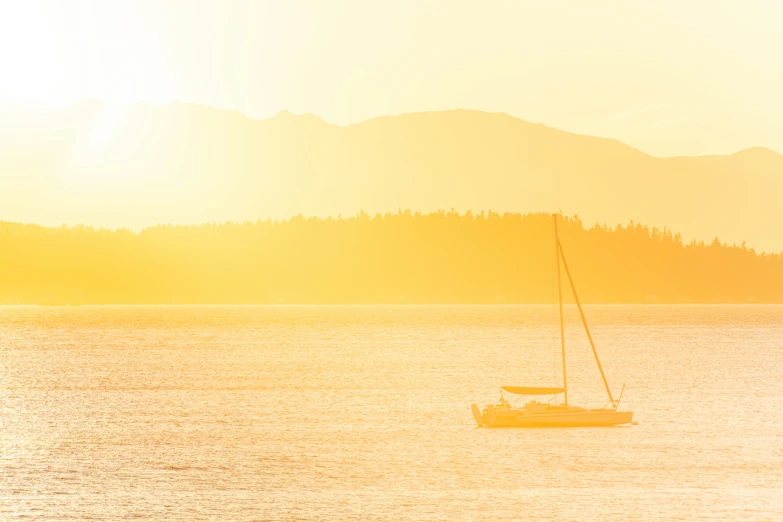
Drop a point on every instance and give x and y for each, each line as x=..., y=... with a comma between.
x=110, y=119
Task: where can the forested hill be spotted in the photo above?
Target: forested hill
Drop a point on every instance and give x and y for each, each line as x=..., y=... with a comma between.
x=442, y=257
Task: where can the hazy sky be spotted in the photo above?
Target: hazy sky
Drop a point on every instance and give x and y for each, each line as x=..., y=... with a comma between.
x=669, y=77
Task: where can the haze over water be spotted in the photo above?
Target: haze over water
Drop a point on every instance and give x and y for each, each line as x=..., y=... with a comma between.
x=352, y=412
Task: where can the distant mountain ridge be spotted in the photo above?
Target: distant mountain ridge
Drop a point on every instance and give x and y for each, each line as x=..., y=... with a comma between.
x=142, y=164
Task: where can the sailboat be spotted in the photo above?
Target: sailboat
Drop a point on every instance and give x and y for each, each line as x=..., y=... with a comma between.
x=537, y=414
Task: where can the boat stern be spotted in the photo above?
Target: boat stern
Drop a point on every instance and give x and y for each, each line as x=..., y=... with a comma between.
x=477, y=415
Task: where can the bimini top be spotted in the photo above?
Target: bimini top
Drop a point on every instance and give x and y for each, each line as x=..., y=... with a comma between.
x=524, y=390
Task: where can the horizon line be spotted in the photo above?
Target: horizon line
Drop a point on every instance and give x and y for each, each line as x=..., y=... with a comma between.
x=390, y=304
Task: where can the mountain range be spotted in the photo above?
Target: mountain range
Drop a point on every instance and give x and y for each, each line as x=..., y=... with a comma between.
x=134, y=165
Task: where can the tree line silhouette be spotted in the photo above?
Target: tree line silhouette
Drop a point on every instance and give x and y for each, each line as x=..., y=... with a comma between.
x=440, y=257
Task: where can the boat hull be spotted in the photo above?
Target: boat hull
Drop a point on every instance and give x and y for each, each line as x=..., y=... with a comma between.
x=580, y=418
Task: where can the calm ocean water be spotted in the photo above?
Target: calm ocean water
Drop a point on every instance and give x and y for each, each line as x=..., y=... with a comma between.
x=299, y=413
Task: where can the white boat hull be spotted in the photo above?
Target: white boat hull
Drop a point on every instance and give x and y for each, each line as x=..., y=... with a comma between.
x=555, y=417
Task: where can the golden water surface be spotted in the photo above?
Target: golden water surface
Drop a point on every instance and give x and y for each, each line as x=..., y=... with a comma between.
x=296, y=413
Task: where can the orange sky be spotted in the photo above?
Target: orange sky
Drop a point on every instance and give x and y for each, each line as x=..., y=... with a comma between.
x=668, y=77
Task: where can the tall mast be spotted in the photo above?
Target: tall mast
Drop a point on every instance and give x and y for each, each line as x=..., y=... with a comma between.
x=584, y=321
x=560, y=302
